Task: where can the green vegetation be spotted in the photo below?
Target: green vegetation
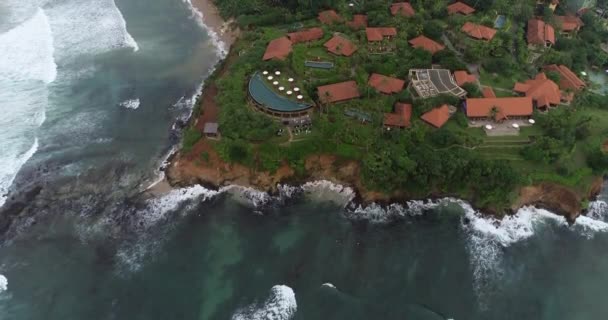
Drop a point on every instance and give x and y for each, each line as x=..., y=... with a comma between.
x=564, y=147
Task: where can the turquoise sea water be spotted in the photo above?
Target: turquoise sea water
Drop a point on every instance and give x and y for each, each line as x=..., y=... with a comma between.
x=92, y=93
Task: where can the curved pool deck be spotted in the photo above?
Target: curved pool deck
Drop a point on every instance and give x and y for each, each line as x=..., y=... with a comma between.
x=265, y=96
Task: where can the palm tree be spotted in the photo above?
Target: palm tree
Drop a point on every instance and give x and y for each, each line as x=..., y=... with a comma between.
x=493, y=113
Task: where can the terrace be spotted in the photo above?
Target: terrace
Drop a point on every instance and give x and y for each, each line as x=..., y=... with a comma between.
x=433, y=82
x=277, y=95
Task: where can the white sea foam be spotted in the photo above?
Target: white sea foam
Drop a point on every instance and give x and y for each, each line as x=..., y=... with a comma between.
x=10, y=169
x=26, y=67
x=3, y=283
x=88, y=28
x=377, y=213
x=132, y=255
x=323, y=190
x=26, y=52
x=598, y=210
x=329, y=285
x=280, y=305
x=158, y=208
x=248, y=196
x=221, y=46
x=130, y=104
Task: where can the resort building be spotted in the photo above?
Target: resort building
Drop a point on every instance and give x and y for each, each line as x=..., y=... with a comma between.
x=340, y=46
x=438, y=116
x=460, y=8
x=384, y=84
x=433, y=82
x=211, y=130
x=462, y=77
x=359, y=22
x=379, y=34
x=400, y=118
x=543, y=91
x=568, y=80
x=338, y=92
x=498, y=109
x=329, y=17
x=478, y=31
x=488, y=92
x=569, y=23
x=307, y=35
x=540, y=34
x=279, y=49
x=422, y=42
x=403, y=9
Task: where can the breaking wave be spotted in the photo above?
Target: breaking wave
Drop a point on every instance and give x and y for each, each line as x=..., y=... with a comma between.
x=3, y=283
x=221, y=46
x=88, y=28
x=27, y=66
x=154, y=220
x=280, y=305
x=26, y=52
x=130, y=104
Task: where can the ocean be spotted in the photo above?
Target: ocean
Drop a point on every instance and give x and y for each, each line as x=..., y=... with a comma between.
x=93, y=94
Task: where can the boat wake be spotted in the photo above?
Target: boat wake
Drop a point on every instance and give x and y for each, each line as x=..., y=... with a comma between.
x=280, y=305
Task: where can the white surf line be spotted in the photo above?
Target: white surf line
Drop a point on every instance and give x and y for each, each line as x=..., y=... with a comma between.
x=221, y=46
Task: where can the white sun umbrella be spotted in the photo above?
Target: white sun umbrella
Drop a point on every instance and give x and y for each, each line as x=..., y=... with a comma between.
x=290, y=79
x=275, y=83
x=488, y=127
x=265, y=72
x=300, y=97
x=269, y=78
x=281, y=88
x=278, y=73
x=516, y=126
x=532, y=121
x=289, y=92
x=296, y=89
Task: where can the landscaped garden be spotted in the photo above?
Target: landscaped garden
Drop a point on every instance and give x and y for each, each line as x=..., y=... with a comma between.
x=562, y=147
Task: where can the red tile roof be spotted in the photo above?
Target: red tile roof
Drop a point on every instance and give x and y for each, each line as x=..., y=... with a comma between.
x=329, y=17
x=278, y=48
x=541, y=89
x=306, y=35
x=377, y=34
x=438, y=116
x=570, y=23
x=386, y=84
x=338, y=92
x=505, y=107
x=401, y=117
x=402, y=8
x=540, y=33
x=459, y=7
x=567, y=78
x=463, y=77
x=340, y=46
x=488, y=92
x=478, y=31
x=359, y=21
x=427, y=44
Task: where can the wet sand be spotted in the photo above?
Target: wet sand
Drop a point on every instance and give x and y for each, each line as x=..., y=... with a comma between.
x=211, y=18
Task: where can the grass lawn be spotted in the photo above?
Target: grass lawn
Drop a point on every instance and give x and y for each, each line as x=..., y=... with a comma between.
x=500, y=81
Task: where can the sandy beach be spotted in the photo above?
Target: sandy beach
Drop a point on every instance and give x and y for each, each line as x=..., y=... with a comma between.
x=212, y=19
